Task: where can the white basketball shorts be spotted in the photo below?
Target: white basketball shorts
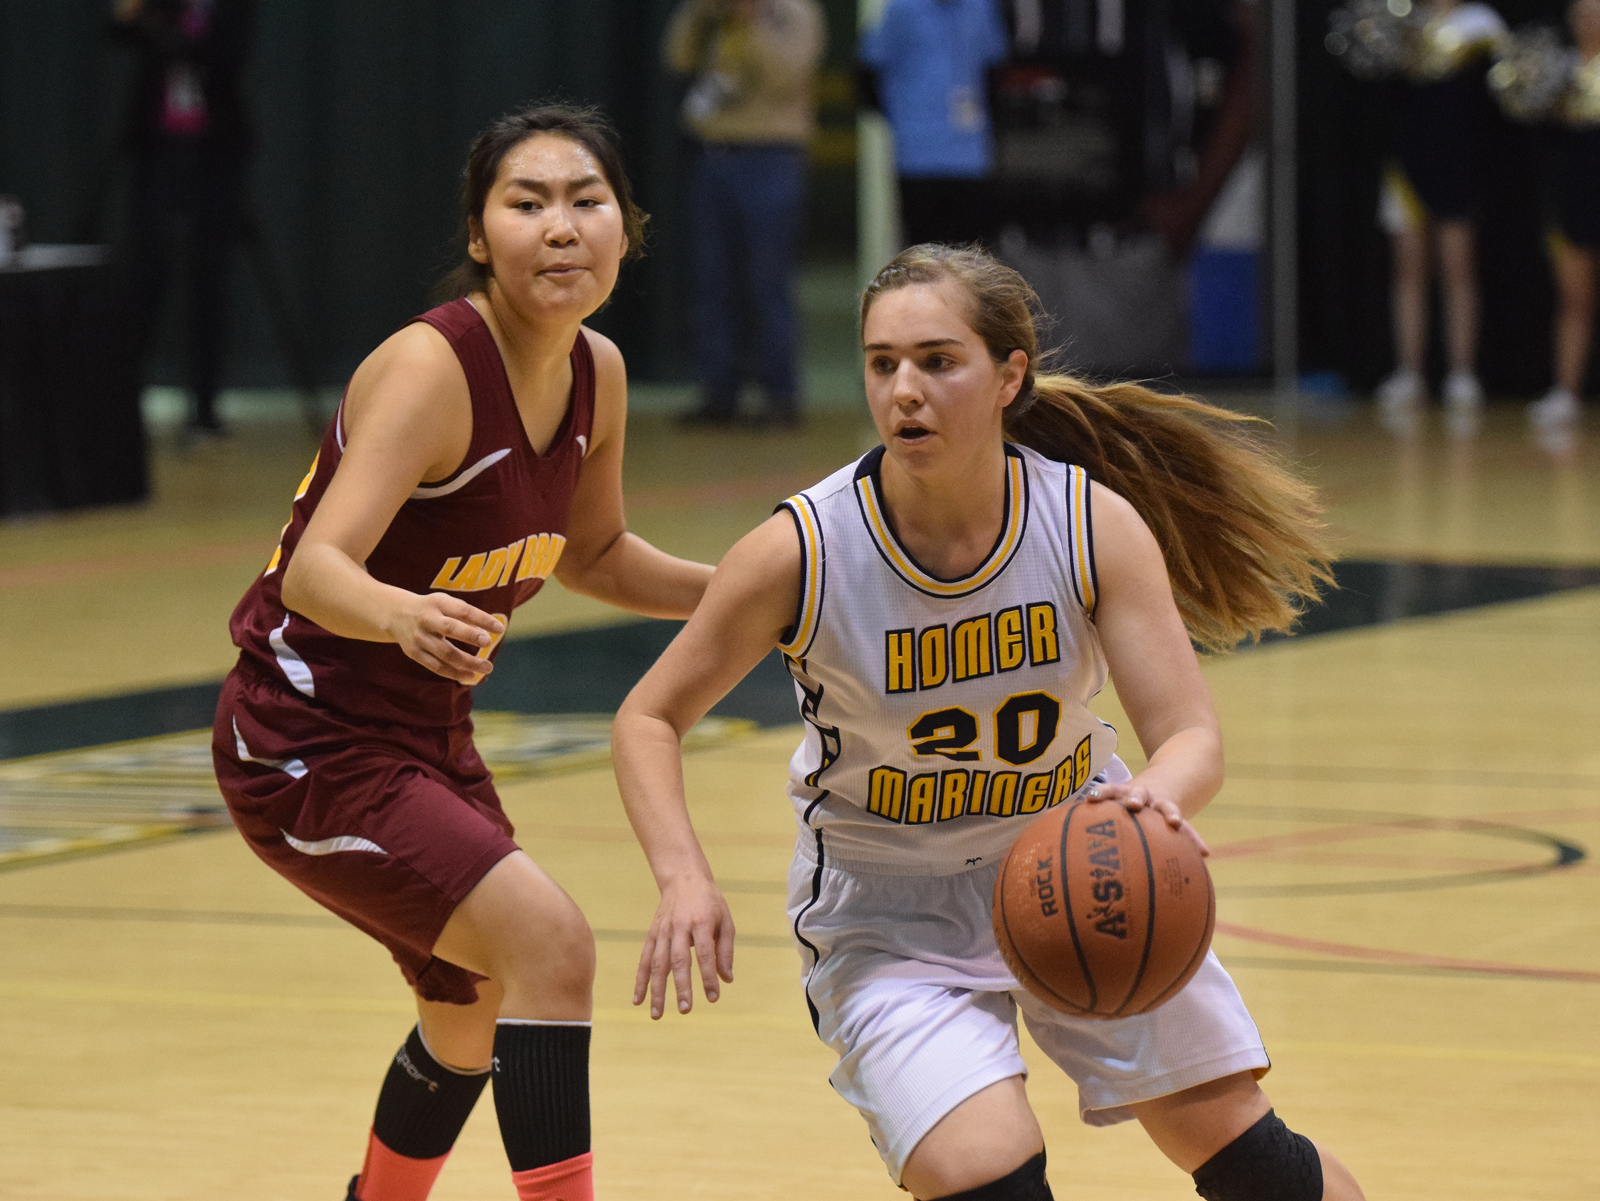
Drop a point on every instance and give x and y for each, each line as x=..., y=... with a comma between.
x=905, y=982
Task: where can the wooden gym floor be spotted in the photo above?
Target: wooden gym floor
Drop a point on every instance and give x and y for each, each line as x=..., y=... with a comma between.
x=1404, y=854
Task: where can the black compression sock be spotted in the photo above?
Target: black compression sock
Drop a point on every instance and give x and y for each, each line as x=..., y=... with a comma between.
x=541, y=1090
x=424, y=1104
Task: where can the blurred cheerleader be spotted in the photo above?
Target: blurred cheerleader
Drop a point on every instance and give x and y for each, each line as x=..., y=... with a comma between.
x=1575, y=240
x=1430, y=197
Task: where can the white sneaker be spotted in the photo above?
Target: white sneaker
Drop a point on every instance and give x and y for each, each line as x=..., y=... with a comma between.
x=1557, y=407
x=1400, y=400
x=1462, y=392
x=1401, y=391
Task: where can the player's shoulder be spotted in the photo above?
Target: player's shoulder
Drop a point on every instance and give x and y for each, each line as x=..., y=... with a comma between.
x=608, y=361
x=610, y=384
x=764, y=564
x=1111, y=509
x=417, y=350
x=830, y=486
x=1036, y=461
x=413, y=372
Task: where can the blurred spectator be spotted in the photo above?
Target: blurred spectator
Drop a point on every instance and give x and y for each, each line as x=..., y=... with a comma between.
x=752, y=66
x=189, y=139
x=1430, y=201
x=1117, y=125
x=1214, y=113
x=1575, y=247
x=926, y=64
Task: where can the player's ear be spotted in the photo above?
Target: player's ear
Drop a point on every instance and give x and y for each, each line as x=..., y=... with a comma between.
x=477, y=244
x=1012, y=372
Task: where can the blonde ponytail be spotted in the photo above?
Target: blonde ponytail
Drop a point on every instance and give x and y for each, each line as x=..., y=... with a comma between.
x=1238, y=530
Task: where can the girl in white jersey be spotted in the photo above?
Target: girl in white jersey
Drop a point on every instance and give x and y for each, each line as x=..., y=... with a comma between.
x=947, y=607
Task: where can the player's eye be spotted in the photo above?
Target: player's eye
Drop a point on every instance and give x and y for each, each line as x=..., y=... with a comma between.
x=883, y=365
x=936, y=362
x=528, y=206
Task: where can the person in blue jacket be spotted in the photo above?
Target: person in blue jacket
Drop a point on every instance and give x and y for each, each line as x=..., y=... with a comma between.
x=926, y=64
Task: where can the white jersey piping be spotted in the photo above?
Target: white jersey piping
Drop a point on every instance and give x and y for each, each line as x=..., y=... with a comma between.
x=294, y=667
x=434, y=491
x=293, y=767
x=333, y=846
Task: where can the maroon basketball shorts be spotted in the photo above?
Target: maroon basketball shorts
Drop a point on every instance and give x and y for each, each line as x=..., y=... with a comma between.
x=388, y=826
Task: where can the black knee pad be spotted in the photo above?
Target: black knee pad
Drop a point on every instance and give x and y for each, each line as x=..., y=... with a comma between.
x=1027, y=1183
x=1268, y=1162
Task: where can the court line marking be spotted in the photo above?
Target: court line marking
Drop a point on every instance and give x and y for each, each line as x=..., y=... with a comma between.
x=1411, y=775
x=1342, y=950
x=57, y=991
x=1382, y=859
x=1348, y=827
x=171, y=774
x=1268, y=843
x=717, y=838
x=1556, y=1059
x=325, y=921
x=32, y=575
x=1569, y=813
x=1348, y=967
x=59, y=849
x=41, y=990
x=204, y=917
x=722, y=491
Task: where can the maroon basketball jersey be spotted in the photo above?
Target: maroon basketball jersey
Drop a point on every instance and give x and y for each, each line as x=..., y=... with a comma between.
x=490, y=534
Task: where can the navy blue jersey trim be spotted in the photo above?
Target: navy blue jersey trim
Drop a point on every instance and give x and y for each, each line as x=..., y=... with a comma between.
x=800, y=604
x=867, y=465
x=816, y=895
x=1088, y=533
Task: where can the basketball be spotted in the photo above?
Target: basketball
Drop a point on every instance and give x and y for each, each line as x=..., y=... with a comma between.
x=1103, y=913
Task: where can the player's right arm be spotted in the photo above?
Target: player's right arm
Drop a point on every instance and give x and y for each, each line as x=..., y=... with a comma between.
x=748, y=606
x=407, y=420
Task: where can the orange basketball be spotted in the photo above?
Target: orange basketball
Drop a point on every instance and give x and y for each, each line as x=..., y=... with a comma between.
x=1102, y=913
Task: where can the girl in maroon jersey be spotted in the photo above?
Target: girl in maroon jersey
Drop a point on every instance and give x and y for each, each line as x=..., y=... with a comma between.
x=476, y=451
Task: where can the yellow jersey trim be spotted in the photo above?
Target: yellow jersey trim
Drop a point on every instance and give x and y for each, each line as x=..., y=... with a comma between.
x=812, y=576
x=1081, y=530
x=1016, y=521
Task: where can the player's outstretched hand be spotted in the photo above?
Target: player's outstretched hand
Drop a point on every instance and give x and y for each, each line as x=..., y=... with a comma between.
x=692, y=920
x=427, y=628
x=1136, y=796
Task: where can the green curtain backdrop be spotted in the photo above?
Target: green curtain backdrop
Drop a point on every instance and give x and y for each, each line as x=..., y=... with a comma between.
x=364, y=110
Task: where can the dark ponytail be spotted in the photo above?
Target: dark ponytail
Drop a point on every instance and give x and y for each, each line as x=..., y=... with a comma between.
x=1239, y=531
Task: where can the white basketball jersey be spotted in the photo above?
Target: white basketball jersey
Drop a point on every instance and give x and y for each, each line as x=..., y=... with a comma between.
x=943, y=714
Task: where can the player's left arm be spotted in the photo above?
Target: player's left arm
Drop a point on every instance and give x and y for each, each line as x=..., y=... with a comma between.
x=1154, y=667
x=602, y=558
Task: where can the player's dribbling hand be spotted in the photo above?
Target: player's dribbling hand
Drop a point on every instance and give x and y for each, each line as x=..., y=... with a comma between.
x=428, y=627
x=692, y=917
x=1136, y=796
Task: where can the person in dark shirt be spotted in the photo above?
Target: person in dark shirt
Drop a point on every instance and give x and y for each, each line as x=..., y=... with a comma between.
x=1116, y=128
x=189, y=137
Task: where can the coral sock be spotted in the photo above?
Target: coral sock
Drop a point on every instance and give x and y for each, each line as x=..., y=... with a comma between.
x=389, y=1176
x=570, y=1180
